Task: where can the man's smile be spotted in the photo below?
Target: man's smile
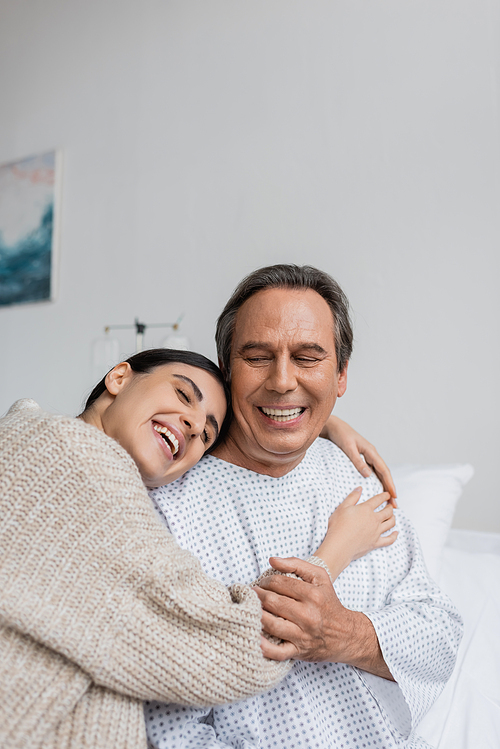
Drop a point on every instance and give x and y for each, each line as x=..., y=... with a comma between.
x=282, y=414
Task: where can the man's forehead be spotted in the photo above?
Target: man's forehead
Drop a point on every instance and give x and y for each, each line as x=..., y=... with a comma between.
x=298, y=316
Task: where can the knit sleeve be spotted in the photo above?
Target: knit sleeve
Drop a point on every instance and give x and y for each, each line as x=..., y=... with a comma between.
x=190, y=640
x=87, y=570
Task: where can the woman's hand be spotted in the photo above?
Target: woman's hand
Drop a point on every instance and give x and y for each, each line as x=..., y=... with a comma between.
x=355, y=446
x=355, y=529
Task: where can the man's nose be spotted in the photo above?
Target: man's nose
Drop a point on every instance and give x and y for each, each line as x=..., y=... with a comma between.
x=282, y=376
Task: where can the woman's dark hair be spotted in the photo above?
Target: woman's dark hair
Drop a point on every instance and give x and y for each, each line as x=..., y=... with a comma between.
x=146, y=361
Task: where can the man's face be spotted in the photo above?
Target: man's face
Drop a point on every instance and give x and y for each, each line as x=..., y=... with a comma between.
x=284, y=378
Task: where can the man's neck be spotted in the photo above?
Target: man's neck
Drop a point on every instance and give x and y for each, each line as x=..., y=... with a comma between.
x=272, y=465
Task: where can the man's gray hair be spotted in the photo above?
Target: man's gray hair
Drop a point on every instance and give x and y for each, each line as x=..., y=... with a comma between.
x=285, y=276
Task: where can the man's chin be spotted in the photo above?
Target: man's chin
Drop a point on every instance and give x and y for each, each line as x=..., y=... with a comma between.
x=261, y=450
x=288, y=448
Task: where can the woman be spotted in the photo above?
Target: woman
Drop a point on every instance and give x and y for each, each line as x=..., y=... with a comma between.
x=99, y=607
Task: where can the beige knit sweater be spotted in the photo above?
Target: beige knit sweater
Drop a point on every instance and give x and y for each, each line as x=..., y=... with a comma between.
x=99, y=607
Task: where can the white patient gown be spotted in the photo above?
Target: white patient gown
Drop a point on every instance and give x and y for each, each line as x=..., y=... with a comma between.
x=234, y=520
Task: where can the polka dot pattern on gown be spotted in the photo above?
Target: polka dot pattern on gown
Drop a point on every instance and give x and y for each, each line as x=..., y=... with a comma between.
x=234, y=520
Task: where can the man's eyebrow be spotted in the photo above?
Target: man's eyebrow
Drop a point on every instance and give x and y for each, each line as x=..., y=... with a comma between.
x=314, y=347
x=254, y=344
x=251, y=345
x=197, y=392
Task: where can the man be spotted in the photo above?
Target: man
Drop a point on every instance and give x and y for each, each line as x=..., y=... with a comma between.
x=361, y=679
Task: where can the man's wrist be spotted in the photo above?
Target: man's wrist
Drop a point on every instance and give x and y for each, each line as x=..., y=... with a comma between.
x=362, y=646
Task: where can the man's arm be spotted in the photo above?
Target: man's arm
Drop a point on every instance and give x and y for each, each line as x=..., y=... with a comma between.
x=309, y=617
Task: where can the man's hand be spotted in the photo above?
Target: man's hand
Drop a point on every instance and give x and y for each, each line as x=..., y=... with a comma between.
x=307, y=614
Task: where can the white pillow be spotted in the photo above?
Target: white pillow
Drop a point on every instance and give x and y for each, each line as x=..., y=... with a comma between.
x=428, y=495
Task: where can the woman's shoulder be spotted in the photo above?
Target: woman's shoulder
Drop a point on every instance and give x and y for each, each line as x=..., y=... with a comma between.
x=24, y=405
x=25, y=419
x=27, y=428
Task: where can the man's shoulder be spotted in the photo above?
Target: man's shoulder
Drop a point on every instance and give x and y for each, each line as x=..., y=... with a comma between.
x=328, y=458
x=326, y=450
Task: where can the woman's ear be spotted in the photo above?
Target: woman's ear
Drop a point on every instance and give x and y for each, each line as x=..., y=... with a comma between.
x=118, y=377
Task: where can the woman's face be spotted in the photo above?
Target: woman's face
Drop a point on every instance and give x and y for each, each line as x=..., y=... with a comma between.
x=165, y=419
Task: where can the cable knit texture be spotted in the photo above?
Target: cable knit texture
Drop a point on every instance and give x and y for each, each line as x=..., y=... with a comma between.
x=99, y=607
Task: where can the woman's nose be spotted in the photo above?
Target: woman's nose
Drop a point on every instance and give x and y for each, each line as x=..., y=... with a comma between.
x=195, y=422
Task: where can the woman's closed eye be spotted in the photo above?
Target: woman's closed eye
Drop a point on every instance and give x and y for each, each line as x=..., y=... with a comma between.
x=184, y=395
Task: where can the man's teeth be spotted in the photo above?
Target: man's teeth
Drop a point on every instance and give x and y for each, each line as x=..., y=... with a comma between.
x=169, y=437
x=282, y=414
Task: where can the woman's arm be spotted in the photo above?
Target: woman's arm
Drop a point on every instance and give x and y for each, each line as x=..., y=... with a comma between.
x=355, y=529
x=355, y=446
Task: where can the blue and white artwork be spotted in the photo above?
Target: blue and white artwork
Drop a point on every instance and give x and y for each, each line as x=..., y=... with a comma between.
x=27, y=229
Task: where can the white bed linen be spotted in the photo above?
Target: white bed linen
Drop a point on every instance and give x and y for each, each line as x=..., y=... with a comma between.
x=467, y=714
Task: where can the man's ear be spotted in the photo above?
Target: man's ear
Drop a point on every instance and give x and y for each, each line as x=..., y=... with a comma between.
x=342, y=386
x=118, y=377
x=222, y=368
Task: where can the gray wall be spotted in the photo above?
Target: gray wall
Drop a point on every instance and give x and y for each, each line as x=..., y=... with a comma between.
x=204, y=138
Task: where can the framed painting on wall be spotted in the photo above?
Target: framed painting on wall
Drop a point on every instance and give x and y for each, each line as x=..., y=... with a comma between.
x=29, y=214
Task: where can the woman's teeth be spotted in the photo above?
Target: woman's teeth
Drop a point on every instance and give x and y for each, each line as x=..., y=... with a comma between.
x=282, y=414
x=168, y=437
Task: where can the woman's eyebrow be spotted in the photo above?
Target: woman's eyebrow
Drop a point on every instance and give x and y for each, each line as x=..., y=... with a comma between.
x=196, y=390
x=213, y=421
x=199, y=397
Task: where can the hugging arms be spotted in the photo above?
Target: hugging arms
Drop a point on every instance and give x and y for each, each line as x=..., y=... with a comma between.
x=99, y=607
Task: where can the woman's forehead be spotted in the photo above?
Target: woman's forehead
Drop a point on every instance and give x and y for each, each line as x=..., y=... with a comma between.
x=206, y=387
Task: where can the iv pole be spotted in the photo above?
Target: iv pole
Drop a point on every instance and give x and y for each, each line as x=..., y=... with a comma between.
x=140, y=329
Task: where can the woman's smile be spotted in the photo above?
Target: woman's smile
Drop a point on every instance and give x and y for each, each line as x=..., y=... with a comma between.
x=165, y=419
x=169, y=439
